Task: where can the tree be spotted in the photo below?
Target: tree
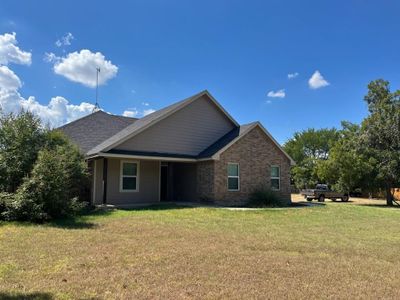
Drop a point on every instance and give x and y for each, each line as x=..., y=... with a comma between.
x=55, y=184
x=21, y=137
x=307, y=148
x=380, y=134
x=42, y=175
x=346, y=167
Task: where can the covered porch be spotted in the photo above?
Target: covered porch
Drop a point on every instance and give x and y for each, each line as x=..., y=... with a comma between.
x=127, y=180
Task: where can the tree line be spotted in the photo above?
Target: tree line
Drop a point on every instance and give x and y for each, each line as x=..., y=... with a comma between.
x=357, y=156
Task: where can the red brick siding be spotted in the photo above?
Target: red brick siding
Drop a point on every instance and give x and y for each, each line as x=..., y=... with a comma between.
x=205, y=180
x=255, y=153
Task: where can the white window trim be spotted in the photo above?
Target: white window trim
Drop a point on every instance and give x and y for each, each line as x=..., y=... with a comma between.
x=238, y=177
x=121, y=176
x=279, y=177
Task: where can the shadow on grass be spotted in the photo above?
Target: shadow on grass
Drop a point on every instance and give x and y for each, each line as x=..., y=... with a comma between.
x=71, y=223
x=67, y=223
x=307, y=203
x=83, y=221
x=26, y=296
x=380, y=205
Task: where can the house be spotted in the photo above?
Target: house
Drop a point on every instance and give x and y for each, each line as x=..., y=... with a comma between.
x=192, y=150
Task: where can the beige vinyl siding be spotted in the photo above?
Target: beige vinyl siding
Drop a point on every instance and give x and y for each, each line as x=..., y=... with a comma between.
x=188, y=131
x=148, y=183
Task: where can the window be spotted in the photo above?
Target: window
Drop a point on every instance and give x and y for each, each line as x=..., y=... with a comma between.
x=275, y=178
x=129, y=176
x=233, y=177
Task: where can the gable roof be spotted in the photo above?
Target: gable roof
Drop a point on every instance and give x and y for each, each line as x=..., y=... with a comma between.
x=232, y=135
x=215, y=150
x=93, y=129
x=96, y=134
x=151, y=119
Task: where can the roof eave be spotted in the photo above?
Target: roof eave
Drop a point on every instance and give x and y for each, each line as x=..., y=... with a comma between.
x=129, y=156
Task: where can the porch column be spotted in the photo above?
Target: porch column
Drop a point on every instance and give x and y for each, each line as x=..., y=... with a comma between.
x=105, y=165
x=170, y=182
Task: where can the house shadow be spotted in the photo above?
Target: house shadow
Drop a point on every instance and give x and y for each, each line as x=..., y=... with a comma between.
x=26, y=296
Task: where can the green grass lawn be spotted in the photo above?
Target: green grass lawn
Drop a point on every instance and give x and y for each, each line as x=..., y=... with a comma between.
x=337, y=250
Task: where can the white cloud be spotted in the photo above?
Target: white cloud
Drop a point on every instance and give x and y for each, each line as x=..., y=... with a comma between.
x=135, y=113
x=130, y=113
x=148, y=111
x=81, y=67
x=65, y=40
x=56, y=113
x=292, y=75
x=145, y=103
x=8, y=80
x=11, y=53
x=277, y=94
x=317, y=81
x=51, y=57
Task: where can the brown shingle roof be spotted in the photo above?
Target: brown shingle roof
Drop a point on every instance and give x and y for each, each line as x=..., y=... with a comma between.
x=93, y=129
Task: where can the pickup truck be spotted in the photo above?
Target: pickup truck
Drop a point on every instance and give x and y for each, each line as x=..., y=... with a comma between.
x=321, y=192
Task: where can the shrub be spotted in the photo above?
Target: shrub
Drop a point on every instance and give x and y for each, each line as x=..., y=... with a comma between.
x=265, y=197
x=53, y=189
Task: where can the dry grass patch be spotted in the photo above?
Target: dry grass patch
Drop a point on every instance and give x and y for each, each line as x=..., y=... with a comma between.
x=335, y=250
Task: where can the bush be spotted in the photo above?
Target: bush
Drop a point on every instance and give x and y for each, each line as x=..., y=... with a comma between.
x=265, y=197
x=42, y=175
x=53, y=189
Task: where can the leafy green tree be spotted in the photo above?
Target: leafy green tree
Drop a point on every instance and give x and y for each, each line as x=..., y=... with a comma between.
x=307, y=148
x=346, y=167
x=380, y=135
x=21, y=137
x=55, y=184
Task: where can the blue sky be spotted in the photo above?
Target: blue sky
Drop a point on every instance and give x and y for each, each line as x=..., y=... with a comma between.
x=240, y=51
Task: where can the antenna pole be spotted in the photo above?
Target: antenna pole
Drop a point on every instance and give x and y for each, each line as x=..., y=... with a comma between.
x=97, y=106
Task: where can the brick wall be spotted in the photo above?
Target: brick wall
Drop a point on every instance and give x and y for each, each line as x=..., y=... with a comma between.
x=205, y=181
x=255, y=153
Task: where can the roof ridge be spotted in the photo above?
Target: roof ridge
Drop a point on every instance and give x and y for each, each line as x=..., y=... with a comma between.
x=84, y=117
x=96, y=112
